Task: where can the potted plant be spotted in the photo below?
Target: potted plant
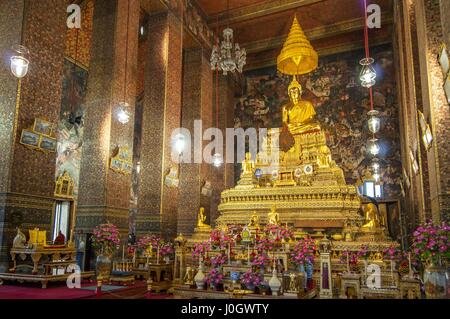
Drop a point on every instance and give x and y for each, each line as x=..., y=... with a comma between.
x=214, y=278
x=303, y=253
x=251, y=279
x=430, y=243
x=105, y=241
x=147, y=244
x=166, y=251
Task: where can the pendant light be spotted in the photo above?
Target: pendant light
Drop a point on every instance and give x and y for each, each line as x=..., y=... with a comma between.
x=20, y=61
x=123, y=114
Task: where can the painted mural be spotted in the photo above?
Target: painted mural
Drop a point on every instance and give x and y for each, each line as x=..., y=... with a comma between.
x=70, y=126
x=341, y=105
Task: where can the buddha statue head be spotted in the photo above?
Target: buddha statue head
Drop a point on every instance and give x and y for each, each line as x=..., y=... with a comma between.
x=295, y=91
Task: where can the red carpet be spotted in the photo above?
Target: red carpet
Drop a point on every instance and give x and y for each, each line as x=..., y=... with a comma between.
x=60, y=291
x=52, y=292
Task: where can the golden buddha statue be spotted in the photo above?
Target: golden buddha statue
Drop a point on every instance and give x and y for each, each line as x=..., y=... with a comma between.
x=273, y=218
x=254, y=221
x=247, y=165
x=201, y=219
x=298, y=114
x=372, y=219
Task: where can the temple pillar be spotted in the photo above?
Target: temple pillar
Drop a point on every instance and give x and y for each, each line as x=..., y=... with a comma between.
x=104, y=194
x=223, y=176
x=431, y=34
x=157, y=203
x=197, y=105
x=27, y=176
x=409, y=98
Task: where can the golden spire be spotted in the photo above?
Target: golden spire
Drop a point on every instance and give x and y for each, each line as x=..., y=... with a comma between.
x=297, y=56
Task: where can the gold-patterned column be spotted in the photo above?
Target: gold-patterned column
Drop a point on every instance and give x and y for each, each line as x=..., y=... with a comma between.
x=26, y=175
x=410, y=101
x=158, y=203
x=431, y=35
x=223, y=176
x=104, y=193
x=197, y=105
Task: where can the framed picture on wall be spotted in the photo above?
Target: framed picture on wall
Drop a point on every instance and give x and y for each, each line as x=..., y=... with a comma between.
x=48, y=144
x=447, y=87
x=43, y=127
x=30, y=139
x=444, y=60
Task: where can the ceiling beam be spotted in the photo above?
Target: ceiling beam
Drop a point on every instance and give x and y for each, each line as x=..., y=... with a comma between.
x=256, y=11
x=313, y=34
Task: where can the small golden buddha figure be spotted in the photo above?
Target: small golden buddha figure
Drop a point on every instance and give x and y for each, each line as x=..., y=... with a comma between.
x=201, y=219
x=254, y=221
x=247, y=165
x=372, y=219
x=189, y=276
x=273, y=217
x=298, y=114
x=292, y=282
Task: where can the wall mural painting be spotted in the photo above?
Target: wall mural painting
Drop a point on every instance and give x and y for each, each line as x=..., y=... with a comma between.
x=70, y=126
x=341, y=105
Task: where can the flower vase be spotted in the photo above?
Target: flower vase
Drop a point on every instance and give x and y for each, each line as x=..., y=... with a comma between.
x=103, y=267
x=309, y=276
x=303, y=271
x=200, y=279
x=167, y=259
x=274, y=282
x=435, y=281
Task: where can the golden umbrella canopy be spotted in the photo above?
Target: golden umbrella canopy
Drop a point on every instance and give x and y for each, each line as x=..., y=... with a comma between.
x=297, y=56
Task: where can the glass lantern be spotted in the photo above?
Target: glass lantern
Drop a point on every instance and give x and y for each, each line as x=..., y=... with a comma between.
x=373, y=147
x=375, y=166
x=179, y=143
x=19, y=61
x=368, y=74
x=123, y=116
x=374, y=121
x=217, y=160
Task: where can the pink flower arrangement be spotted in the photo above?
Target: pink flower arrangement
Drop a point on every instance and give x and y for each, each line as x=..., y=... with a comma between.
x=166, y=249
x=279, y=232
x=363, y=252
x=148, y=242
x=303, y=252
x=260, y=259
x=393, y=253
x=234, y=231
x=218, y=260
x=265, y=244
x=352, y=257
x=200, y=249
x=106, y=238
x=214, y=277
x=430, y=242
x=250, y=278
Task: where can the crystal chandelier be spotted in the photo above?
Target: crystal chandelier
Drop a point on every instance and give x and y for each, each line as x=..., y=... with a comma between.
x=228, y=56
